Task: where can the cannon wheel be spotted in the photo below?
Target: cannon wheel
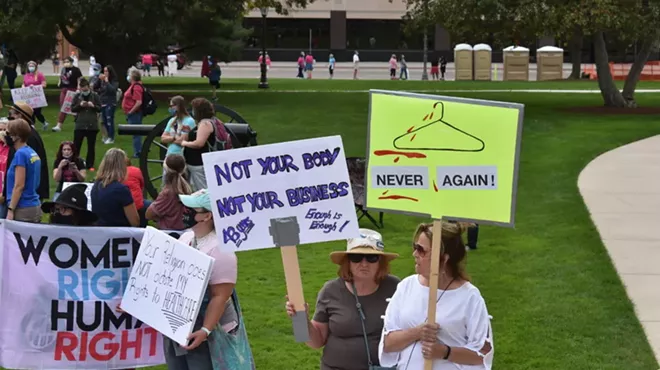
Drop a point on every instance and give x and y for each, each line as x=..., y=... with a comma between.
x=153, y=152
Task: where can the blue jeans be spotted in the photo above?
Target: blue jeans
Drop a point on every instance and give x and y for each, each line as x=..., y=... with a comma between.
x=403, y=71
x=108, y=114
x=135, y=119
x=3, y=211
x=143, y=213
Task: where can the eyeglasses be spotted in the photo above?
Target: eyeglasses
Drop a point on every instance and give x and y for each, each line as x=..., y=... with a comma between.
x=357, y=258
x=419, y=249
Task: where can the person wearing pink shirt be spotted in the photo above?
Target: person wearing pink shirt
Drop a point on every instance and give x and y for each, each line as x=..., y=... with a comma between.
x=309, y=65
x=35, y=78
x=147, y=62
x=393, y=67
x=4, y=156
x=301, y=65
x=219, y=339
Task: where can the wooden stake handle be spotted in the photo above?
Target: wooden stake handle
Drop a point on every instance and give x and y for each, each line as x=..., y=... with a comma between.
x=433, y=278
x=294, y=290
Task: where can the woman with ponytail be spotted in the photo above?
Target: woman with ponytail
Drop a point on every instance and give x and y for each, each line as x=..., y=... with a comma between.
x=167, y=209
x=460, y=337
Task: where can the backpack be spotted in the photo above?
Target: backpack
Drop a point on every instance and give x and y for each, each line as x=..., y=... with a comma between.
x=222, y=137
x=148, y=102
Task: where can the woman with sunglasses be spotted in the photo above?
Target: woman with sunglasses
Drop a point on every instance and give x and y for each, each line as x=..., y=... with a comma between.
x=460, y=337
x=363, y=277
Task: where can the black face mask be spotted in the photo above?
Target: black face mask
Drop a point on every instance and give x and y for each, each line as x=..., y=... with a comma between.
x=9, y=140
x=60, y=219
x=188, y=218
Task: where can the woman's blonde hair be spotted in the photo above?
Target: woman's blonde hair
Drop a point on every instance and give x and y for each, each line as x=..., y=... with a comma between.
x=175, y=170
x=451, y=245
x=113, y=167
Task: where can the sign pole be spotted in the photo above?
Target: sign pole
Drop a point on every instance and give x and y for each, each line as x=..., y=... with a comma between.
x=286, y=235
x=436, y=249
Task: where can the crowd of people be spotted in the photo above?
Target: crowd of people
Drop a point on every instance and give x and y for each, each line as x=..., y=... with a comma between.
x=117, y=199
x=366, y=318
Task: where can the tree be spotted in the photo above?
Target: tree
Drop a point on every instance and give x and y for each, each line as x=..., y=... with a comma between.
x=117, y=31
x=30, y=35
x=633, y=21
x=630, y=21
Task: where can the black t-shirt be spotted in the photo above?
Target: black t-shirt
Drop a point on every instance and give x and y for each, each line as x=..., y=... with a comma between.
x=67, y=172
x=69, y=77
x=434, y=63
x=193, y=156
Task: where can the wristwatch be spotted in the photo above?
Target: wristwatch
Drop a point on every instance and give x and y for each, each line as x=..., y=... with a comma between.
x=205, y=330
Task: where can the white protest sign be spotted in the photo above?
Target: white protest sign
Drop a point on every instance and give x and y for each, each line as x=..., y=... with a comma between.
x=32, y=95
x=88, y=191
x=167, y=285
x=306, y=179
x=66, y=105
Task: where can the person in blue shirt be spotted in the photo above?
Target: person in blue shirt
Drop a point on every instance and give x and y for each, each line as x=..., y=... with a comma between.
x=23, y=175
x=178, y=127
x=112, y=201
x=214, y=76
x=331, y=66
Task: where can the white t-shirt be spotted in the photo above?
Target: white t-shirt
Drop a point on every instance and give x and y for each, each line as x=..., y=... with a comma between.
x=356, y=60
x=461, y=314
x=171, y=58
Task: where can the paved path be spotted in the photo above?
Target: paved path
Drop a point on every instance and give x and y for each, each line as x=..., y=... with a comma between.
x=428, y=91
x=622, y=191
x=343, y=70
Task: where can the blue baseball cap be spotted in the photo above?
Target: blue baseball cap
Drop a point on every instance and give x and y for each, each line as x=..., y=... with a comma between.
x=198, y=199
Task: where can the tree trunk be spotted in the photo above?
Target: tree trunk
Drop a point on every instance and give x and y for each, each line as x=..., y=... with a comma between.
x=612, y=97
x=577, y=42
x=636, y=69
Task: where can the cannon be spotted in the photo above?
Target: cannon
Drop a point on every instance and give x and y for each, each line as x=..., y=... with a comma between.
x=153, y=152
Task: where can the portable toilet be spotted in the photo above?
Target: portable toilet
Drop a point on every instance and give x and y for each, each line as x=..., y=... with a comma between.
x=483, y=57
x=463, y=62
x=549, y=63
x=516, y=63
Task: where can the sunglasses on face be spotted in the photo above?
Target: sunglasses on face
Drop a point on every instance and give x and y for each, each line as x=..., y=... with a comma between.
x=419, y=249
x=357, y=258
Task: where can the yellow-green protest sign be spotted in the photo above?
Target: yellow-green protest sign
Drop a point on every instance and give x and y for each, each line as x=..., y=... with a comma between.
x=438, y=156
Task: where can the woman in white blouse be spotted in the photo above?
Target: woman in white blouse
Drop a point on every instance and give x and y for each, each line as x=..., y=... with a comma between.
x=461, y=336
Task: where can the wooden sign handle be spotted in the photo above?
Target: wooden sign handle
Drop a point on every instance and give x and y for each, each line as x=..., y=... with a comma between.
x=294, y=290
x=433, y=278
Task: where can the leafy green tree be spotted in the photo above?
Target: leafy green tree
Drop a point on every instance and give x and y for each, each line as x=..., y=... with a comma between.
x=117, y=31
x=631, y=21
x=30, y=35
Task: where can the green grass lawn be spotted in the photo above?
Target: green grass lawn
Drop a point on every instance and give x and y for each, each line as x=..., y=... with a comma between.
x=555, y=297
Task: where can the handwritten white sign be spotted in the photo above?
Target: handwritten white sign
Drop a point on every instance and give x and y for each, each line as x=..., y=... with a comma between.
x=32, y=95
x=306, y=179
x=88, y=191
x=167, y=284
x=66, y=105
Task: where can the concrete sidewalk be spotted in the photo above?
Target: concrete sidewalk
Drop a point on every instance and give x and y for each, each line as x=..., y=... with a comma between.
x=622, y=191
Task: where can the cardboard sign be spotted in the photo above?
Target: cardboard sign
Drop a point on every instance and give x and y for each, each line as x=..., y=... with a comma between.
x=32, y=95
x=437, y=156
x=304, y=180
x=66, y=106
x=167, y=284
x=88, y=191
